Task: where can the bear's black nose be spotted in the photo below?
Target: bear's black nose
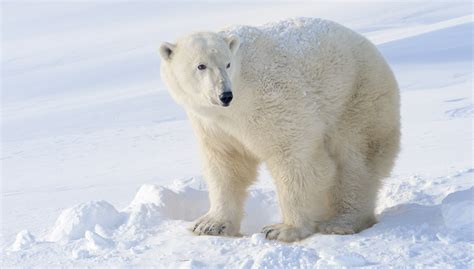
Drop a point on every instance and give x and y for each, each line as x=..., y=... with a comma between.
x=226, y=98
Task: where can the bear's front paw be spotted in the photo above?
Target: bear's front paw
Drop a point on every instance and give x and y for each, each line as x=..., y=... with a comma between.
x=284, y=232
x=209, y=225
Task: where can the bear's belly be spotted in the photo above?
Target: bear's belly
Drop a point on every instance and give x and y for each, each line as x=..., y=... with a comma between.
x=265, y=139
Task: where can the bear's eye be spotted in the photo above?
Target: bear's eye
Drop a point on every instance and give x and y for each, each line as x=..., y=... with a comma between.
x=228, y=65
x=202, y=67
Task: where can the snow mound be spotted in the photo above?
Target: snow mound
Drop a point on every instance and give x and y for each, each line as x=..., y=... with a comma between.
x=182, y=201
x=457, y=211
x=97, y=227
x=185, y=203
x=73, y=222
x=98, y=221
x=143, y=216
x=97, y=242
x=23, y=240
x=93, y=229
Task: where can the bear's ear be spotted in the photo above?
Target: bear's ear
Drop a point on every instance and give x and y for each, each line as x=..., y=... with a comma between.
x=233, y=42
x=166, y=50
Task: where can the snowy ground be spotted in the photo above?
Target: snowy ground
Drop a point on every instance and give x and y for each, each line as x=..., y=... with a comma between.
x=99, y=166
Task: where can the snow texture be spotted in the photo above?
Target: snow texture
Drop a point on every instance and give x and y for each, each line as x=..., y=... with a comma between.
x=74, y=222
x=100, y=167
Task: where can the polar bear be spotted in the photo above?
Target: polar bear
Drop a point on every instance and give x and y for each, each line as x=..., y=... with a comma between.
x=313, y=100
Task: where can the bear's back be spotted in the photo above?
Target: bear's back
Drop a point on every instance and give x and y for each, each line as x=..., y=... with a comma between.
x=296, y=36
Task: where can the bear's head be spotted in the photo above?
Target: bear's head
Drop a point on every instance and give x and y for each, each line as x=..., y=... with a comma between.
x=199, y=69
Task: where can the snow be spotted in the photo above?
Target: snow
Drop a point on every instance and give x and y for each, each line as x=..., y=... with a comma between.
x=455, y=215
x=23, y=240
x=99, y=166
x=75, y=222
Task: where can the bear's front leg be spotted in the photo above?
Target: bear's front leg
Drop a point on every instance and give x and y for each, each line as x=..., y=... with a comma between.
x=228, y=171
x=303, y=183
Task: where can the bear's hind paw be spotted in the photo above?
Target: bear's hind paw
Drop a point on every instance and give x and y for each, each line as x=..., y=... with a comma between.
x=336, y=228
x=284, y=232
x=345, y=225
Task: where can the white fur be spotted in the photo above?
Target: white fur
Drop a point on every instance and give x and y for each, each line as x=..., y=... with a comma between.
x=312, y=99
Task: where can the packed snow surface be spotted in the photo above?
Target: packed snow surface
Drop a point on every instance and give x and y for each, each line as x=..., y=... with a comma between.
x=100, y=166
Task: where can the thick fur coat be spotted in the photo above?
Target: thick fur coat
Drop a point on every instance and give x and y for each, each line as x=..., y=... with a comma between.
x=313, y=100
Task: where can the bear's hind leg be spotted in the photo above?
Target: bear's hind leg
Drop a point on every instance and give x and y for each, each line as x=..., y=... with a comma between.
x=303, y=184
x=353, y=198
